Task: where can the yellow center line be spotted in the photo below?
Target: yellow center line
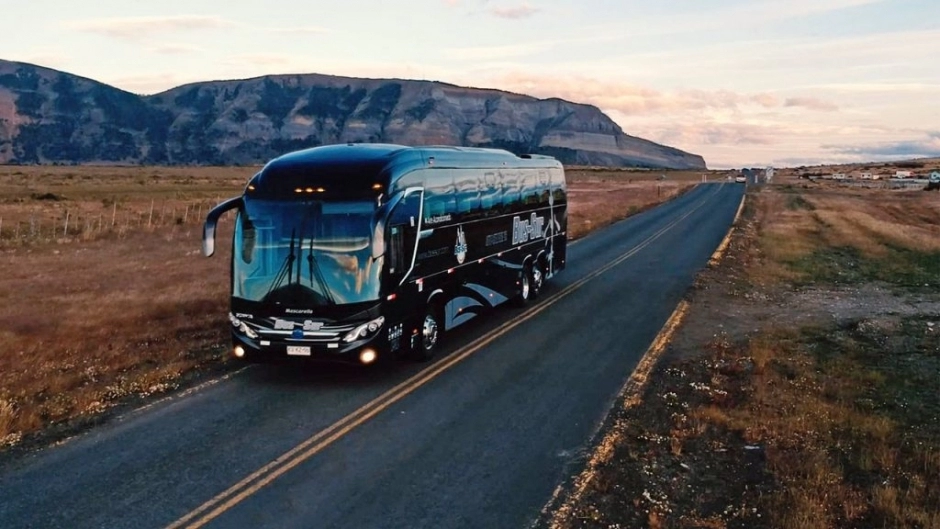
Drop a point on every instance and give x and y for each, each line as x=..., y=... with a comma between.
x=225, y=500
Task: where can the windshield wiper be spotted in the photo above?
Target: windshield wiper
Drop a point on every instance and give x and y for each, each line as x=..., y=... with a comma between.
x=287, y=269
x=315, y=272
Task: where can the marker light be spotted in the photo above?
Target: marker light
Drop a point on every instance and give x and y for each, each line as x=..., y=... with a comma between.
x=239, y=351
x=367, y=356
x=376, y=186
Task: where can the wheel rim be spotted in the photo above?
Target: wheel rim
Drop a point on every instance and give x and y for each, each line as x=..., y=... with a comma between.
x=429, y=333
x=524, y=293
x=537, y=279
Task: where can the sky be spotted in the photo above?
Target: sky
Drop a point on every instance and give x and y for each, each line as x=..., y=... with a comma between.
x=741, y=82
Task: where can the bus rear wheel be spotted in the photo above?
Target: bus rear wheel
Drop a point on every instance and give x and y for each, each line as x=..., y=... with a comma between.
x=430, y=335
x=537, y=281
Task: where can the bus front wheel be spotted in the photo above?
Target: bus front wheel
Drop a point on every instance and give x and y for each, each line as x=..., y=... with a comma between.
x=432, y=327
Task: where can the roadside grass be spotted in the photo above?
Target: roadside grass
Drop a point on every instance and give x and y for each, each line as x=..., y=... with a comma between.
x=847, y=413
x=847, y=420
x=90, y=324
x=105, y=315
x=795, y=415
x=838, y=236
x=46, y=204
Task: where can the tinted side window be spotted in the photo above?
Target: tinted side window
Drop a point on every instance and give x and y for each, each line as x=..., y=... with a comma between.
x=511, y=189
x=530, y=192
x=491, y=194
x=544, y=188
x=559, y=189
x=439, y=194
x=467, y=186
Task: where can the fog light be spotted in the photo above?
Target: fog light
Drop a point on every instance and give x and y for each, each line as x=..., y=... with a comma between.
x=367, y=356
x=239, y=351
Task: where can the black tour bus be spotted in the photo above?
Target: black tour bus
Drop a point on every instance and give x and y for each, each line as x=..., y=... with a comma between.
x=352, y=252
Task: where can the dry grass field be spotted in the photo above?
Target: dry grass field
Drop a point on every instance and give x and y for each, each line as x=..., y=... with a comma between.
x=803, y=388
x=123, y=304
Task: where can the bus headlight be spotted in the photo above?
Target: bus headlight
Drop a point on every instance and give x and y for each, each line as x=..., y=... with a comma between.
x=365, y=330
x=242, y=326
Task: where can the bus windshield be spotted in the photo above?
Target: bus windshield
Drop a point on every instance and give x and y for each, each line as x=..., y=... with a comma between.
x=306, y=253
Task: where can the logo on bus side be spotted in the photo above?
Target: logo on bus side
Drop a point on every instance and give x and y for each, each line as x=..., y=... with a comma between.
x=460, y=248
x=437, y=219
x=527, y=230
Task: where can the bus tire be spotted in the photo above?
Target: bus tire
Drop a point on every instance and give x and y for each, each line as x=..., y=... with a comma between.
x=524, y=296
x=537, y=280
x=431, y=332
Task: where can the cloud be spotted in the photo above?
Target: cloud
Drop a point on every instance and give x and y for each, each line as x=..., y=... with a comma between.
x=483, y=53
x=261, y=59
x=716, y=134
x=138, y=27
x=811, y=103
x=877, y=88
x=706, y=16
x=523, y=10
x=300, y=30
x=47, y=57
x=928, y=147
x=631, y=99
x=174, y=49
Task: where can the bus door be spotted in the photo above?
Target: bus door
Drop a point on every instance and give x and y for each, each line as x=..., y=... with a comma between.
x=404, y=225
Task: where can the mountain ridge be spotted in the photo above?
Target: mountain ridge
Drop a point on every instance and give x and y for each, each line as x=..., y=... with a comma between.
x=49, y=116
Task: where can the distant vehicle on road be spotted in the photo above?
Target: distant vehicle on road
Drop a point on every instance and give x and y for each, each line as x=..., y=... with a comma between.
x=741, y=179
x=355, y=252
x=933, y=181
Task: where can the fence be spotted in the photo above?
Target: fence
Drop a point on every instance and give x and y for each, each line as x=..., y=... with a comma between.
x=77, y=224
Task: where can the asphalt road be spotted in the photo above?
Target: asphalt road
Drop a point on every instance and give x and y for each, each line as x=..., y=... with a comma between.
x=481, y=438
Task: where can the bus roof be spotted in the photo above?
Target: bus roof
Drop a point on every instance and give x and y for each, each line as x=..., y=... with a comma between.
x=353, y=164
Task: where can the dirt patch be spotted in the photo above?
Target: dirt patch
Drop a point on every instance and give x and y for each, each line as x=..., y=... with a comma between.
x=782, y=400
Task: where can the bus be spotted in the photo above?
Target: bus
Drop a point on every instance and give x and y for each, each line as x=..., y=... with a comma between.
x=355, y=252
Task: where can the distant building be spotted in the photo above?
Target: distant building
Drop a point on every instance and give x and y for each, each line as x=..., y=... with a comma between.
x=838, y=176
x=866, y=176
x=903, y=174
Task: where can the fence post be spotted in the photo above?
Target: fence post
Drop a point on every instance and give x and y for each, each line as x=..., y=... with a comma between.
x=150, y=219
x=65, y=232
x=113, y=213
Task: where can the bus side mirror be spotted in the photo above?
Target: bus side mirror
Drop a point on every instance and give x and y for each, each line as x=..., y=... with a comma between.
x=212, y=220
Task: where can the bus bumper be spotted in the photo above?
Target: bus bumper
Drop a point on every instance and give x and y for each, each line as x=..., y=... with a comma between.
x=272, y=351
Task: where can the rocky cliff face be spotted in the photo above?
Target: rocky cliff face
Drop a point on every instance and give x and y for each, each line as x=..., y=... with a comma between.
x=48, y=116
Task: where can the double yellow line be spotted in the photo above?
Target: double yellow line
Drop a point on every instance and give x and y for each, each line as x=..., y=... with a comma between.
x=227, y=499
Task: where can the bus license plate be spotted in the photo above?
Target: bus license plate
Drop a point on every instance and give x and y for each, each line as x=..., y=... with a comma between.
x=298, y=350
